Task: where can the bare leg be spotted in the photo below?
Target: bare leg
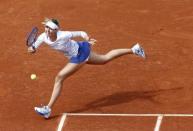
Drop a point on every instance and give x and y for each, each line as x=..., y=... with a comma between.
x=95, y=58
x=68, y=70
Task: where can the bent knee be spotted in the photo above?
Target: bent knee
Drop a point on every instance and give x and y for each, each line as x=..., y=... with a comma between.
x=103, y=60
x=99, y=59
x=59, y=78
x=106, y=59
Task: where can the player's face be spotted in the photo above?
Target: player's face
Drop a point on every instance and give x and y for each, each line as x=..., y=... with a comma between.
x=49, y=31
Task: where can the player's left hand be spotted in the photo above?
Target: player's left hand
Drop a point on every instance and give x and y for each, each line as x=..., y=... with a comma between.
x=92, y=41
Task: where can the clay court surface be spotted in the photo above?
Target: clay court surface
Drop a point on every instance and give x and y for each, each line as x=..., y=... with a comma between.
x=161, y=84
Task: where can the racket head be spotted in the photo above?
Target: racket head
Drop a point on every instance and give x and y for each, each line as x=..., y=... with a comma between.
x=32, y=36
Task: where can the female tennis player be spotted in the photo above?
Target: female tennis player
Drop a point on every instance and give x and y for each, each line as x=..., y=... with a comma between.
x=79, y=53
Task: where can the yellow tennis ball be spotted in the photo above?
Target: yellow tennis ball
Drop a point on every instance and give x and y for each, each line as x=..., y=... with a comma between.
x=33, y=76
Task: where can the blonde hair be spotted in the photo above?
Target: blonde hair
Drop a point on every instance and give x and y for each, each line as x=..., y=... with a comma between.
x=53, y=20
x=46, y=20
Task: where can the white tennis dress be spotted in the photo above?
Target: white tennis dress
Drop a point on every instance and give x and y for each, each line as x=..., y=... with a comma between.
x=63, y=43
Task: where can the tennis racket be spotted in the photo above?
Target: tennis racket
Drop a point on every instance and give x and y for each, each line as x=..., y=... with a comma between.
x=32, y=36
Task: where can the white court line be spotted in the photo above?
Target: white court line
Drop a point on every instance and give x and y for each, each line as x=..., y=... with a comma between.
x=60, y=126
x=150, y=115
x=158, y=123
x=157, y=127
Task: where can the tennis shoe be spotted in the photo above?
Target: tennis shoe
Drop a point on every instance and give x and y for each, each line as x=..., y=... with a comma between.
x=44, y=111
x=138, y=50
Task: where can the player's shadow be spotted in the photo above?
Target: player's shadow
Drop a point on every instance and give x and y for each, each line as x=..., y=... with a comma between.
x=124, y=97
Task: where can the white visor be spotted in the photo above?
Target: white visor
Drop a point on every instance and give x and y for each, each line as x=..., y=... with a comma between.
x=52, y=25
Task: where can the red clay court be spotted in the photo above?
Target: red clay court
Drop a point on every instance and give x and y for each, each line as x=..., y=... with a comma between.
x=128, y=94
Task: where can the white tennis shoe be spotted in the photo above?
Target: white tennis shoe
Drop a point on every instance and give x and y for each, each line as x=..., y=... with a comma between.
x=44, y=111
x=138, y=50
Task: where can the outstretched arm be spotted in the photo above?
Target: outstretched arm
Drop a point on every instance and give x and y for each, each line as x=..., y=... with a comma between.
x=38, y=42
x=84, y=35
x=81, y=34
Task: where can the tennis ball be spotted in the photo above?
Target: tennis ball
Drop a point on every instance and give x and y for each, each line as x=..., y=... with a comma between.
x=33, y=76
